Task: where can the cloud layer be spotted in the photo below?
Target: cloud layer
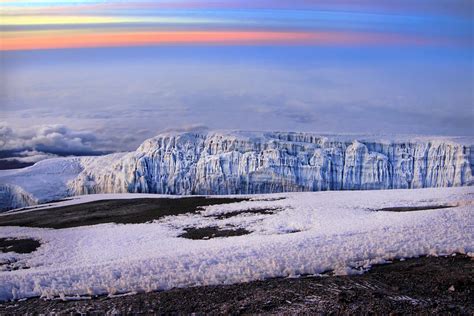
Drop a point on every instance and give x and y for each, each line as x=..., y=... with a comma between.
x=126, y=98
x=36, y=143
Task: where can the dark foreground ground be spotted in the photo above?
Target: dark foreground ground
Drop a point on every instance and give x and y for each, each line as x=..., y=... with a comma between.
x=126, y=211
x=429, y=285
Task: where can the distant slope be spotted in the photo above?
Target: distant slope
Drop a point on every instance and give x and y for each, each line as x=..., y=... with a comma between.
x=14, y=164
x=255, y=162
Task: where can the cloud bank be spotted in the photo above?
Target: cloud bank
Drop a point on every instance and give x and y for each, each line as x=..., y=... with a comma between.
x=36, y=143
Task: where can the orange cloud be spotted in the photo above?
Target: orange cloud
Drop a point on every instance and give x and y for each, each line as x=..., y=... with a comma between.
x=58, y=40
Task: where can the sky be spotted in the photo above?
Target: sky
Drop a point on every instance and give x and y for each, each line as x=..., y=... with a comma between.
x=88, y=77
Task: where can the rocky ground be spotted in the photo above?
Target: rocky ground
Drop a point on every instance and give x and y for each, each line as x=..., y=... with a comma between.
x=438, y=285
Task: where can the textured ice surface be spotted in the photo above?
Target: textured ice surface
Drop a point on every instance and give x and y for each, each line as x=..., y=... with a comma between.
x=253, y=163
x=311, y=233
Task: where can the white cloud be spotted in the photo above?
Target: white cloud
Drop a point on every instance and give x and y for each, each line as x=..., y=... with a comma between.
x=48, y=139
x=30, y=156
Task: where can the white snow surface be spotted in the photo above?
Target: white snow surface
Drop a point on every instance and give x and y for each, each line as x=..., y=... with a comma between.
x=45, y=181
x=309, y=233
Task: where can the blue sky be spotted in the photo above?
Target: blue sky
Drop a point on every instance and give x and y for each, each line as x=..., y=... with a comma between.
x=330, y=67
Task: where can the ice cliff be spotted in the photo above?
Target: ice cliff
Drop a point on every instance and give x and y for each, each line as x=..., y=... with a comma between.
x=239, y=162
x=264, y=162
x=12, y=196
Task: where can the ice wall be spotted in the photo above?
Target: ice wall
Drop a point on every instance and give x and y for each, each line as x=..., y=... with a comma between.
x=244, y=162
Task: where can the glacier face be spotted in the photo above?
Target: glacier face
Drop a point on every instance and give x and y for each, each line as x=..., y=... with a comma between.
x=251, y=162
x=12, y=196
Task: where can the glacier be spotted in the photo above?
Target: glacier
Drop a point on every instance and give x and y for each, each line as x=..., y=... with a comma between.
x=239, y=162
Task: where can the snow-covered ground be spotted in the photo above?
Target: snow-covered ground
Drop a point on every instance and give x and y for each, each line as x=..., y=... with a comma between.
x=309, y=233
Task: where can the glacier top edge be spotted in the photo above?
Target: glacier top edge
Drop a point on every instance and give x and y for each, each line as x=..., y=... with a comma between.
x=342, y=137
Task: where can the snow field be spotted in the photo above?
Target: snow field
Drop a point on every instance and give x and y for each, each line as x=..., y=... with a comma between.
x=337, y=230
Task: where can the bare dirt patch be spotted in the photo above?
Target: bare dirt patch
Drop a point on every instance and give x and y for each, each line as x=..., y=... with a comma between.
x=23, y=245
x=26, y=245
x=262, y=211
x=413, y=208
x=212, y=232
